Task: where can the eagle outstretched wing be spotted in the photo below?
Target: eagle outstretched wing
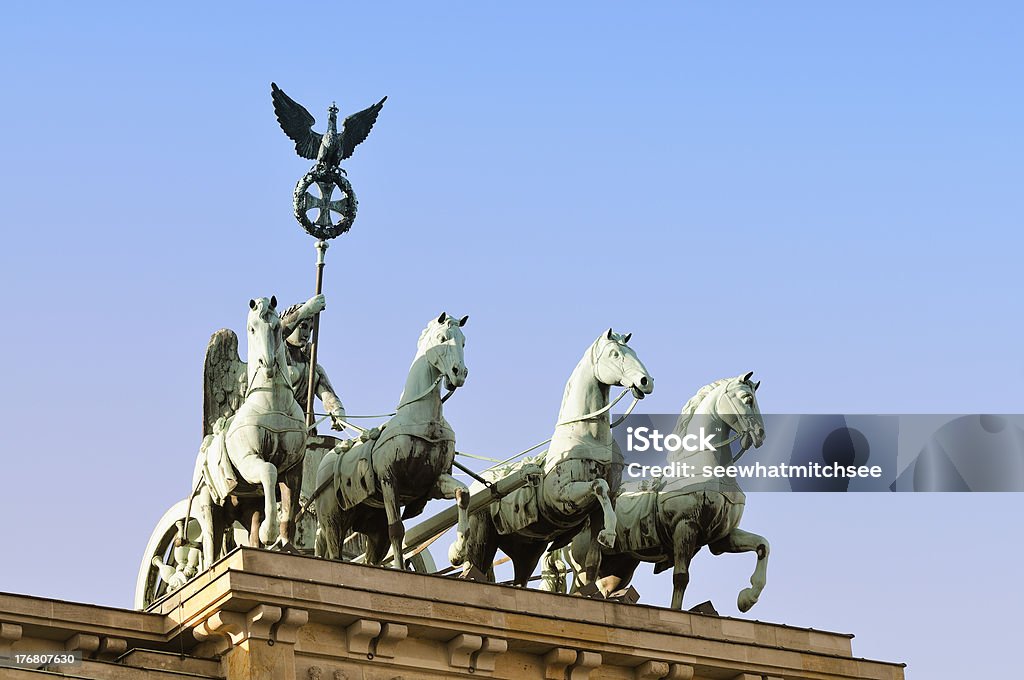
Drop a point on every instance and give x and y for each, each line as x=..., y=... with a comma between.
x=224, y=379
x=297, y=123
x=357, y=127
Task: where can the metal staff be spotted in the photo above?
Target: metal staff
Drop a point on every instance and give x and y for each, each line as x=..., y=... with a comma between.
x=328, y=149
x=321, y=253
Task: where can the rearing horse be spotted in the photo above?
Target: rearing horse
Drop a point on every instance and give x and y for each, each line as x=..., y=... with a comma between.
x=407, y=465
x=264, y=440
x=581, y=465
x=668, y=524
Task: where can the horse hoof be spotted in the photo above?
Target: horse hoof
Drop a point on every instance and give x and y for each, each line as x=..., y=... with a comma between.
x=606, y=538
x=268, y=533
x=281, y=545
x=746, y=599
x=456, y=552
x=590, y=590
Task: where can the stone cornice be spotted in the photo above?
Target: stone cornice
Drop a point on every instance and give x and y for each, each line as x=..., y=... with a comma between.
x=308, y=617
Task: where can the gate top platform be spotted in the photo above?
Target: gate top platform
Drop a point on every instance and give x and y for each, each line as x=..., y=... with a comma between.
x=309, y=618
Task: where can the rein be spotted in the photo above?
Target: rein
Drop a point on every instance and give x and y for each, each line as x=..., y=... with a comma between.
x=325, y=416
x=588, y=416
x=727, y=442
x=329, y=481
x=433, y=385
x=250, y=389
x=602, y=411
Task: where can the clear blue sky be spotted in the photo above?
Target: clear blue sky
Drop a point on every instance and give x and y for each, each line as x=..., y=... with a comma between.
x=826, y=193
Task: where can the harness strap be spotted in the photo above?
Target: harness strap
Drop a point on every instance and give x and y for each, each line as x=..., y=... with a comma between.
x=601, y=411
x=430, y=389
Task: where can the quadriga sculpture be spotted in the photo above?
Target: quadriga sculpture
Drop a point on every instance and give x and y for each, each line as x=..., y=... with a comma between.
x=409, y=463
x=581, y=466
x=669, y=523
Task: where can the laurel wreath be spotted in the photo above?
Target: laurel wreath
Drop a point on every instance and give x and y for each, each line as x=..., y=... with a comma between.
x=348, y=215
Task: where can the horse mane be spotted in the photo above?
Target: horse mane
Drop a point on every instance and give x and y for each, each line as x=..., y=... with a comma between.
x=690, y=407
x=291, y=310
x=431, y=325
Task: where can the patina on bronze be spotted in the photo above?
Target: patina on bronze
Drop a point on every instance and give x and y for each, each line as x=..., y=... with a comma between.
x=328, y=149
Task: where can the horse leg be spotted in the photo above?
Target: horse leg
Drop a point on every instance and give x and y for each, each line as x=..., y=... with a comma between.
x=284, y=520
x=576, y=494
x=592, y=560
x=202, y=509
x=268, y=479
x=331, y=522
x=375, y=529
x=554, y=571
x=576, y=555
x=320, y=543
x=218, y=517
x=606, y=537
x=615, y=573
x=256, y=470
x=525, y=558
x=396, y=530
x=449, y=488
x=254, y=528
x=289, y=485
x=684, y=544
x=226, y=535
x=738, y=541
x=480, y=544
x=330, y=533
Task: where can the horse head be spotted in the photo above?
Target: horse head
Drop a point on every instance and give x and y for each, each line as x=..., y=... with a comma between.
x=443, y=344
x=263, y=328
x=737, y=406
x=615, y=363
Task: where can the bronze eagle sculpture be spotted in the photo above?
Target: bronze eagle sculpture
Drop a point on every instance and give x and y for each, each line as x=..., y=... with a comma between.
x=329, y=148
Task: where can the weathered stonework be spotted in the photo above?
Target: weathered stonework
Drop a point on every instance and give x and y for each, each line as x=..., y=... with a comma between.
x=260, y=614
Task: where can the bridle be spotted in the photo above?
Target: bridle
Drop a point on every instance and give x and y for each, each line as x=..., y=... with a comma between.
x=595, y=362
x=276, y=363
x=433, y=385
x=727, y=393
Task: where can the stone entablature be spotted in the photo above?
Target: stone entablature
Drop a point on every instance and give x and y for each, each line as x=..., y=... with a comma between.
x=260, y=614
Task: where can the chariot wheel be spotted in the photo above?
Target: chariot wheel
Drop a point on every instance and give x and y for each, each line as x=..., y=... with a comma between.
x=422, y=562
x=150, y=586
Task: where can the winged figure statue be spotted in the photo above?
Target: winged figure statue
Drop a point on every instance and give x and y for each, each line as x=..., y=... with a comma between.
x=328, y=149
x=224, y=376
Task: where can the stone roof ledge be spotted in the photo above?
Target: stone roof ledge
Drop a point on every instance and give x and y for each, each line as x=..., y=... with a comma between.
x=259, y=614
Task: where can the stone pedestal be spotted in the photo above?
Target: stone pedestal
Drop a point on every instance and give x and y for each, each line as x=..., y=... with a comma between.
x=260, y=614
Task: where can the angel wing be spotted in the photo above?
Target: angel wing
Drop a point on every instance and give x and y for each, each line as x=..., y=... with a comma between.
x=224, y=379
x=298, y=123
x=357, y=127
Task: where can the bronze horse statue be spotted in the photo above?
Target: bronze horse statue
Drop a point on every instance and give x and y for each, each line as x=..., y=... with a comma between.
x=669, y=523
x=255, y=438
x=581, y=466
x=409, y=463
